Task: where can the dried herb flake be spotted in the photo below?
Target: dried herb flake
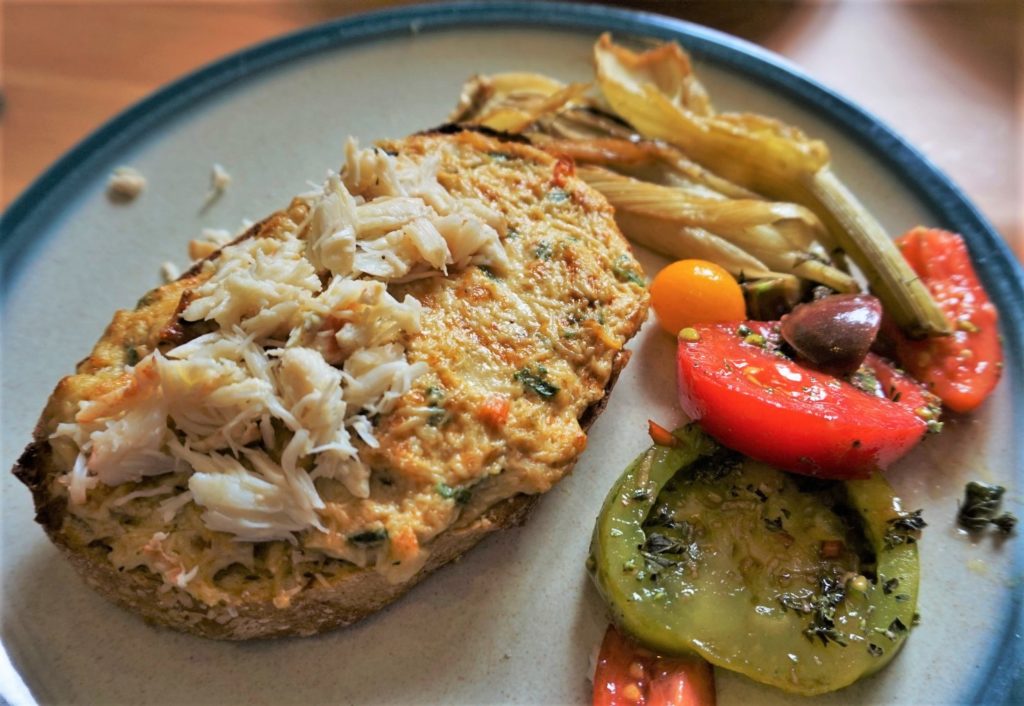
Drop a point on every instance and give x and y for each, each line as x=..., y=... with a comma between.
x=905, y=529
x=980, y=507
x=536, y=381
x=624, y=272
x=369, y=537
x=459, y=495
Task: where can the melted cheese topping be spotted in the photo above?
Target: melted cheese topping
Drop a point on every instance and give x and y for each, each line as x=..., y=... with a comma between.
x=306, y=349
x=385, y=360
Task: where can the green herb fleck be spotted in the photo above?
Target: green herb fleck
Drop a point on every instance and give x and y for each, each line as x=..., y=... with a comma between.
x=489, y=273
x=981, y=507
x=131, y=355
x=543, y=250
x=965, y=324
x=773, y=525
x=624, y=272
x=874, y=650
x=716, y=466
x=667, y=551
x=369, y=537
x=865, y=380
x=459, y=495
x=890, y=586
x=1005, y=523
x=536, y=381
x=905, y=529
x=822, y=608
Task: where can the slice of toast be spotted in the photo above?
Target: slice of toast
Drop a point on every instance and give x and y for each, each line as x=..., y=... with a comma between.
x=515, y=344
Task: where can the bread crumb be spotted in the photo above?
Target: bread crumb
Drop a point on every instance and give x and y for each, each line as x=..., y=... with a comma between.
x=200, y=249
x=220, y=236
x=219, y=178
x=125, y=184
x=169, y=272
x=219, y=181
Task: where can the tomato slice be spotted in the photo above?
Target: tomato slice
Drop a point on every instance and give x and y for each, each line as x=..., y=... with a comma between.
x=697, y=552
x=963, y=368
x=628, y=675
x=766, y=406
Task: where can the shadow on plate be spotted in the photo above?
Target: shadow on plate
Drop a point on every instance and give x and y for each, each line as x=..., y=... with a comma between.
x=70, y=643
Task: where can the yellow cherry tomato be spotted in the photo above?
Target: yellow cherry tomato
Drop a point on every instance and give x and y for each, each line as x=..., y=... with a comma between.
x=690, y=292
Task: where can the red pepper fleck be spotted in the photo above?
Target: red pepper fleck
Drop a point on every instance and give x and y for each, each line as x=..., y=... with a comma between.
x=564, y=169
x=660, y=435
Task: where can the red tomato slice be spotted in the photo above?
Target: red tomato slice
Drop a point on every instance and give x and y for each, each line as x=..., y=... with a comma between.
x=771, y=408
x=628, y=675
x=963, y=368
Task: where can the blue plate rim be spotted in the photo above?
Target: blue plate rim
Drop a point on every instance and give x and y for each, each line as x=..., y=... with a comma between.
x=1003, y=680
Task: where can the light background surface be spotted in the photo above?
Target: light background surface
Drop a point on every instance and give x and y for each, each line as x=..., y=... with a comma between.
x=516, y=620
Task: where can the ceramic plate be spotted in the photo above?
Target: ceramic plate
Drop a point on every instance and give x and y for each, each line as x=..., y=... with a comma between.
x=517, y=620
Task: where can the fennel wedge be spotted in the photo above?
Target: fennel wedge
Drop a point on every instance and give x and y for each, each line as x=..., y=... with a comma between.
x=777, y=237
x=655, y=91
x=664, y=200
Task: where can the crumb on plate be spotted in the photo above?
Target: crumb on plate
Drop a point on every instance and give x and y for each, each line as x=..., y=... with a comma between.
x=125, y=184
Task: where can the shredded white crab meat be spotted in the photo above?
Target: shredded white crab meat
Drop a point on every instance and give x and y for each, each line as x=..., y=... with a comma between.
x=308, y=347
x=219, y=178
x=167, y=562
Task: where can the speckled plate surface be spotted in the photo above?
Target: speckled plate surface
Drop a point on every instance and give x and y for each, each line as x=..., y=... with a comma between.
x=516, y=620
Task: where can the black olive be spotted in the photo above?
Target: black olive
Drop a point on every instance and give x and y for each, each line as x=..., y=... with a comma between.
x=834, y=333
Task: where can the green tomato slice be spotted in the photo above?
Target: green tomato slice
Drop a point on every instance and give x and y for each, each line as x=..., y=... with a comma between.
x=801, y=583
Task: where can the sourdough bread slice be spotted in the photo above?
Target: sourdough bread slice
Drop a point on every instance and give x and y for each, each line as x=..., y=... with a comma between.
x=503, y=336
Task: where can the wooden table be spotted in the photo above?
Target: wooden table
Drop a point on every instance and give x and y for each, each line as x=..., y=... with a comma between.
x=944, y=74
